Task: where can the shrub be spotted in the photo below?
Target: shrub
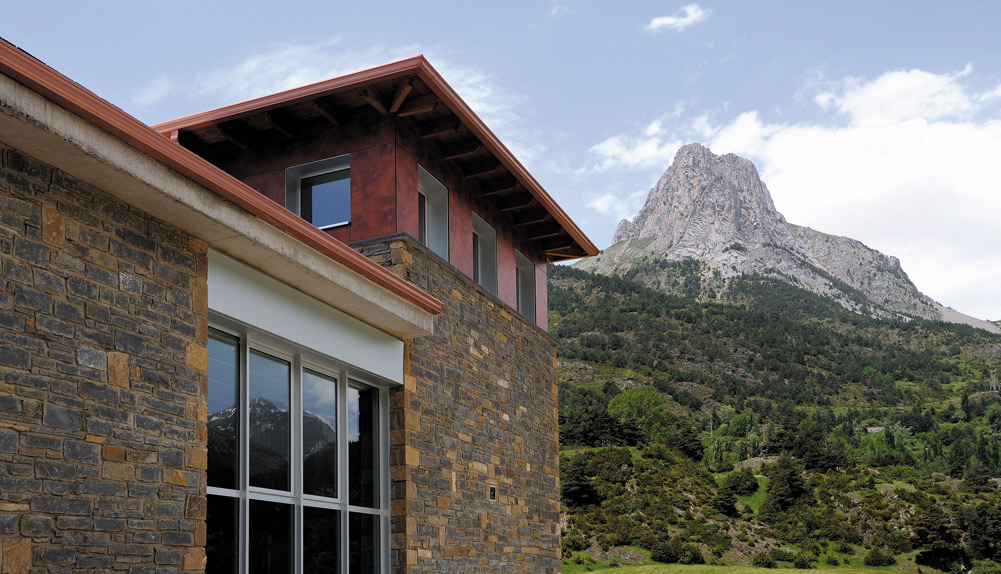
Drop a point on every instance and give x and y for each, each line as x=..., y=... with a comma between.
x=763, y=560
x=879, y=557
x=803, y=560
x=833, y=560
x=985, y=567
x=780, y=555
x=667, y=551
x=691, y=554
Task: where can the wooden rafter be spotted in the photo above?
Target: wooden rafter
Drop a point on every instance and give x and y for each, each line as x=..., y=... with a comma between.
x=276, y=125
x=439, y=127
x=498, y=186
x=402, y=90
x=327, y=111
x=228, y=135
x=418, y=105
x=480, y=167
x=517, y=204
x=374, y=99
x=539, y=216
x=460, y=149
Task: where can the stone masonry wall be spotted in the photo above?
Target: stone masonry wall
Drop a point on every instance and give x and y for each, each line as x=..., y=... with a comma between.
x=478, y=409
x=102, y=381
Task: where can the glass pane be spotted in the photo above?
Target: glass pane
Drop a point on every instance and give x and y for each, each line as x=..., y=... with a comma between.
x=224, y=414
x=363, y=432
x=326, y=199
x=319, y=437
x=221, y=538
x=271, y=528
x=363, y=543
x=321, y=535
x=422, y=220
x=269, y=421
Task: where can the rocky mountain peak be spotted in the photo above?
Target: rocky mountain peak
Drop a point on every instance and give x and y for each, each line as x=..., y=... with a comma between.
x=716, y=210
x=703, y=203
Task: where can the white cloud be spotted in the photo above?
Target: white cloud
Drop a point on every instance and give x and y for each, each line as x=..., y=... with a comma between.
x=285, y=66
x=689, y=15
x=910, y=170
x=559, y=11
x=159, y=89
x=902, y=95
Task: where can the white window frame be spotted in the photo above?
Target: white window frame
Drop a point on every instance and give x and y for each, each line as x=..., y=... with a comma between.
x=432, y=213
x=524, y=277
x=484, y=255
x=302, y=358
x=295, y=174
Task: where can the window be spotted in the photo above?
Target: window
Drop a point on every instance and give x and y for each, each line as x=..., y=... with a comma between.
x=432, y=213
x=525, y=285
x=484, y=255
x=320, y=191
x=297, y=461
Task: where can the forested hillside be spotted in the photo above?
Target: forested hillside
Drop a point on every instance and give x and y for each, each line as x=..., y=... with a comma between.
x=782, y=429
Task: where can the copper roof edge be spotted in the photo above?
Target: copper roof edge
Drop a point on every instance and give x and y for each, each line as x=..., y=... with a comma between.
x=43, y=79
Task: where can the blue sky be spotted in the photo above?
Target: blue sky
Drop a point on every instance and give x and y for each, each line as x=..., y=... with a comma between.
x=879, y=121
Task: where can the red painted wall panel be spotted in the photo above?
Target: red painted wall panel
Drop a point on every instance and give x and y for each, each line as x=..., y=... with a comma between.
x=373, y=192
x=406, y=194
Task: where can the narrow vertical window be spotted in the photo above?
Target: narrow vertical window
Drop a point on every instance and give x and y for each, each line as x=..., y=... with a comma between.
x=525, y=284
x=432, y=213
x=363, y=432
x=270, y=423
x=319, y=434
x=484, y=255
x=224, y=411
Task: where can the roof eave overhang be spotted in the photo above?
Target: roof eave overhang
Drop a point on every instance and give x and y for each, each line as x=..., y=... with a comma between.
x=421, y=68
x=98, y=143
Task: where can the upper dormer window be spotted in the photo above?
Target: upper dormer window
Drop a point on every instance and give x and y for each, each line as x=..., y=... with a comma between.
x=320, y=191
x=432, y=213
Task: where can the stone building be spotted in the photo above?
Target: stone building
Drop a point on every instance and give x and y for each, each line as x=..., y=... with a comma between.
x=301, y=333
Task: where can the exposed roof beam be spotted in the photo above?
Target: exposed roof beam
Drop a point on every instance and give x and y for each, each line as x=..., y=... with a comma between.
x=402, y=90
x=327, y=111
x=228, y=135
x=558, y=244
x=419, y=105
x=498, y=186
x=374, y=99
x=276, y=125
x=517, y=204
x=435, y=128
x=480, y=167
x=460, y=148
x=534, y=217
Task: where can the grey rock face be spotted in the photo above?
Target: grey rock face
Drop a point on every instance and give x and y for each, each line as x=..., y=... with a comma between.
x=715, y=209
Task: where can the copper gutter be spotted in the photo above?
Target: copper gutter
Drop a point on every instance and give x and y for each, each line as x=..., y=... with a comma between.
x=422, y=68
x=76, y=99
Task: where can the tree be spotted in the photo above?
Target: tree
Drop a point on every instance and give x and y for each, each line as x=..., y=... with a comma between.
x=982, y=524
x=576, y=487
x=934, y=529
x=642, y=409
x=786, y=487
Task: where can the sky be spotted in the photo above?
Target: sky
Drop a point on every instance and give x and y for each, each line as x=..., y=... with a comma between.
x=879, y=121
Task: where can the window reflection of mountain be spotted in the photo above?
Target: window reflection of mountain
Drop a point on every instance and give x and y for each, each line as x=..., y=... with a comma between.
x=269, y=448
